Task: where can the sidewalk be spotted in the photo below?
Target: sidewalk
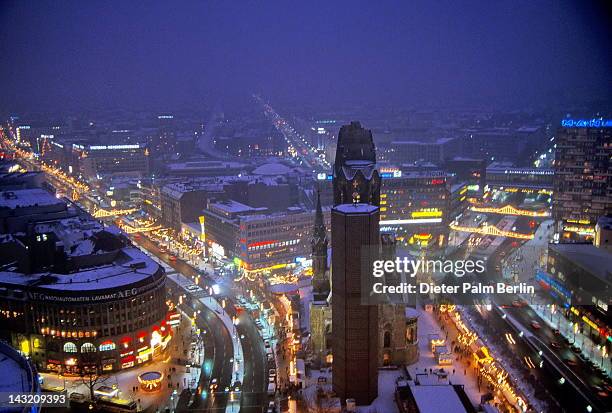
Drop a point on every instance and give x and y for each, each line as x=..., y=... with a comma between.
x=459, y=372
x=566, y=328
x=524, y=262
x=177, y=377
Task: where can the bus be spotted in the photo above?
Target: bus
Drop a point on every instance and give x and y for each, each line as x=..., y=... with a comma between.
x=115, y=404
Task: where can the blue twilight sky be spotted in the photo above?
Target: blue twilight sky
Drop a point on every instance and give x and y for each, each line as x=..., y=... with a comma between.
x=67, y=55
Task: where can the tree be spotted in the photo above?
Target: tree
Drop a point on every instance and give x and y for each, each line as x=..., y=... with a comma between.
x=91, y=372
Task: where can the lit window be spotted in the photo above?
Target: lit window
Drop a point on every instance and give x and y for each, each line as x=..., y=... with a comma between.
x=107, y=346
x=88, y=348
x=70, y=347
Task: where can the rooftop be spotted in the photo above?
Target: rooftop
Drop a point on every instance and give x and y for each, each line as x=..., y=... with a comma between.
x=18, y=376
x=437, y=399
x=273, y=169
x=130, y=266
x=22, y=198
x=356, y=208
x=596, y=261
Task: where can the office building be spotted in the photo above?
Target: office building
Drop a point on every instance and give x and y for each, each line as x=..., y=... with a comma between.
x=102, y=160
x=75, y=295
x=582, y=181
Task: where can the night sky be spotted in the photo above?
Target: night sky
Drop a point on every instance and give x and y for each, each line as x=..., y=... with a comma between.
x=65, y=55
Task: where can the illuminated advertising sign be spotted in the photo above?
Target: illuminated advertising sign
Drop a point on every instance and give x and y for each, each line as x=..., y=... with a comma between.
x=586, y=123
x=112, y=147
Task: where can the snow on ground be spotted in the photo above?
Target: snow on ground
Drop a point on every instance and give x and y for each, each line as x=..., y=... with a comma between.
x=458, y=372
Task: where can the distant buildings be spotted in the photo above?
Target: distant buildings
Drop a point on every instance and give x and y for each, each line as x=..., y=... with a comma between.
x=102, y=160
x=164, y=141
x=503, y=143
x=411, y=151
x=506, y=175
x=582, y=181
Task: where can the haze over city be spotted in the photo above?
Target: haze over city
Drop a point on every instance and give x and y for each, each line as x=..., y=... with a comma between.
x=154, y=55
x=291, y=207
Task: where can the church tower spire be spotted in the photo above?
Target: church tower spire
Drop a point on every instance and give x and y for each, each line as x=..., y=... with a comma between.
x=319, y=244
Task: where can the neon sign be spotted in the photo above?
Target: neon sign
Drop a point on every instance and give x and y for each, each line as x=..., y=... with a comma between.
x=586, y=123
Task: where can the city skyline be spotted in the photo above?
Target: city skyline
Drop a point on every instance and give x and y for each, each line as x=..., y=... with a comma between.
x=272, y=207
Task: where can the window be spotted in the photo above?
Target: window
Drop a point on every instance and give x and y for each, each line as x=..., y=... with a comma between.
x=387, y=339
x=88, y=348
x=107, y=346
x=70, y=347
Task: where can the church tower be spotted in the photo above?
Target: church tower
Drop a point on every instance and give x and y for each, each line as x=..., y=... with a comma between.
x=356, y=179
x=319, y=242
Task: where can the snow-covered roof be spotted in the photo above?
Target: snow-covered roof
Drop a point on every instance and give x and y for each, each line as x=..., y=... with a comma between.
x=272, y=169
x=437, y=399
x=356, y=208
x=27, y=197
x=130, y=266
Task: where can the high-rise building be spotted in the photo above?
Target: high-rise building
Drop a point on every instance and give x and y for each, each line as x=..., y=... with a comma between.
x=355, y=235
x=164, y=143
x=582, y=181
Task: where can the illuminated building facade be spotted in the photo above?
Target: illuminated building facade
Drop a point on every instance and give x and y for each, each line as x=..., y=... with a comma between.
x=75, y=295
x=416, y=207
x=259, y=240
x=122, y=159
x=582, y=182
x=578, y=279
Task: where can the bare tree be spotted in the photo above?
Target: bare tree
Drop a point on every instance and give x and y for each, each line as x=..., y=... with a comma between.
x=91, y=372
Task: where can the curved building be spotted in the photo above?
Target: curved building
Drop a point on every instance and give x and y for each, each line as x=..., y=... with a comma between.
x=76, y=295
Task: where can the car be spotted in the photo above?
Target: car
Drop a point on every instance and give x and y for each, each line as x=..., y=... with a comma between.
x=535, y=325
x=172, y=258
x=554, y=344
x=213, y=385
x=237, y=387
x=556, y=331
x=267, y=343
x=518, y=303
x=271, y=379
x=272, y=372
